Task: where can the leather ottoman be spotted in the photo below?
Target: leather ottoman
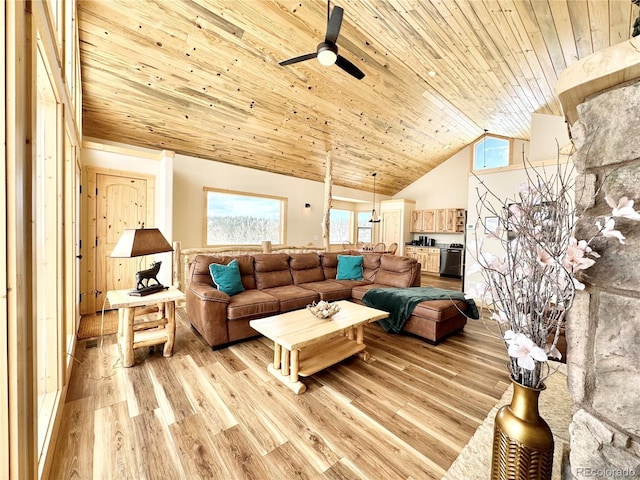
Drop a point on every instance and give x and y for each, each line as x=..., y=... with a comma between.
x=434, y=320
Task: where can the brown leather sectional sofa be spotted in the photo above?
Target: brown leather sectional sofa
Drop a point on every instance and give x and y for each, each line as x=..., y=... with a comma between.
x=279, y=282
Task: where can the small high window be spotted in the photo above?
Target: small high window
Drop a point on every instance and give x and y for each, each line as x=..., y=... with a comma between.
x=491, y=152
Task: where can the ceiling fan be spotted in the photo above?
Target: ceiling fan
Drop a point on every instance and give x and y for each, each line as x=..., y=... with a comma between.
x=327, y=51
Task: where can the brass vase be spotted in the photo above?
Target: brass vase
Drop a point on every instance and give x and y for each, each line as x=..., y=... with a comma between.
x=522, y=440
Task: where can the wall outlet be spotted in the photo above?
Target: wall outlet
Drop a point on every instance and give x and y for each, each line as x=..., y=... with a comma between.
x=316, y=237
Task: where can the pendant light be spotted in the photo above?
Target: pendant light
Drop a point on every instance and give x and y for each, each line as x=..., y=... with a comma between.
x=374, y=216
x=484, y=149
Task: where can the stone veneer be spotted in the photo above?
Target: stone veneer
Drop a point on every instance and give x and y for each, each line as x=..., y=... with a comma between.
x=603, y=328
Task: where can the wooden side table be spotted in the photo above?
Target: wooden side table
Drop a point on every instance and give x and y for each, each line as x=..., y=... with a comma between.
x=145, y=330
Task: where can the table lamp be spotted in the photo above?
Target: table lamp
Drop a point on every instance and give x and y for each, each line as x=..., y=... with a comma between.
x=136, y=243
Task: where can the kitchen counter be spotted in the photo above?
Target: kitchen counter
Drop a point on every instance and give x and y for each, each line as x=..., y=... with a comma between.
x=440, y=259
x=437, y=245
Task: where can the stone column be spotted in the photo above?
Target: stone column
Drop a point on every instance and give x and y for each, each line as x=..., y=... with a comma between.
x=600, y=96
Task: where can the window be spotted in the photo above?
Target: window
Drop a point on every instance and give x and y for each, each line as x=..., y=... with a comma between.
x=364, y=228
x=491, y=152
x=340, y=226
x=47, y=267
x=237, y=218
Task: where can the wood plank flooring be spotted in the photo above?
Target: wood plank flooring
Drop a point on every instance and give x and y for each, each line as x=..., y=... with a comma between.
x=202, y=414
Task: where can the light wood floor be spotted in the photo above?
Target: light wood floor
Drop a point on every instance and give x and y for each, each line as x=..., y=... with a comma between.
x=433, y=280
x=202, y=414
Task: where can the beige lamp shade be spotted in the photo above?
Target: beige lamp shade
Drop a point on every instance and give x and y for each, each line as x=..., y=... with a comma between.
x=140, y=241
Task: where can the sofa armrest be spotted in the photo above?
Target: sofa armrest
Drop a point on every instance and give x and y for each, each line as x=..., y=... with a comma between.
x=417, y=280
x=207, y=293
x=207, y=312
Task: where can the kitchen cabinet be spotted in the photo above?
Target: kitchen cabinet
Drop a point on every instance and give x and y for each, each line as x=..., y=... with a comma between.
x=429, y=220
x=446, y=219
x=417, y=224
x=428, y=258
x=460, y=220
x=433, y=260
x=414, y=252
x=440, y=220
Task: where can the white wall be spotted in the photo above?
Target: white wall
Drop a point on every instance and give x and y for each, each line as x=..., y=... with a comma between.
x=548, y=134
x=191, y=174
x=504, y=185
x=443, y=187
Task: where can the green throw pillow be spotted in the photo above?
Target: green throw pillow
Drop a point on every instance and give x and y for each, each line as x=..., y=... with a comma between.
x=227, y=277
x=349, y=267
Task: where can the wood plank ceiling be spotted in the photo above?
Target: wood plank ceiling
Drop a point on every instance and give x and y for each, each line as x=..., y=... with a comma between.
x=201, y=77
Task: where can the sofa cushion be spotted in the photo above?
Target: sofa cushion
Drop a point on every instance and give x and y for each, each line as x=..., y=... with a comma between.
x=349, y=267
x=199, y=269
x=252, y=304
x=227, y=277
x=396, y=271
x=272, y=270
x=292, y=297
x=305, y=268
x=358, y=291
x=247, y=273
x=329, y=262
x=200, y=272
x=353, y=283
x=329, y=291
x=370, y=265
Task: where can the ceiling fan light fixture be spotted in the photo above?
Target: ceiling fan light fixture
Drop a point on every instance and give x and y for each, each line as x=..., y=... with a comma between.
x=327, y=54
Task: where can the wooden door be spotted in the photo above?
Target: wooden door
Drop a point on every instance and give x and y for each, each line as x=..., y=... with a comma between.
x=122, y=200
x=391, y=232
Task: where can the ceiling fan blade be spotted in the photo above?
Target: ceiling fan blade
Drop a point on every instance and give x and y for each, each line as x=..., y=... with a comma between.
x=301, y=58
x=349, y=67
x=334, y=24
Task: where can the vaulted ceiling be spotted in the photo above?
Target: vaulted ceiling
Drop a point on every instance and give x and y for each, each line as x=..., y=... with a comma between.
x=202, y=78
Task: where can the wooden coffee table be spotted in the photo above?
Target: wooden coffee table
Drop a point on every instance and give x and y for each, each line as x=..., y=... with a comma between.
x=304, y=344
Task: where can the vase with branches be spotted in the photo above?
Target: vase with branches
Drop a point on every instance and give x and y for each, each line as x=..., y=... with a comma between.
x=534, y=267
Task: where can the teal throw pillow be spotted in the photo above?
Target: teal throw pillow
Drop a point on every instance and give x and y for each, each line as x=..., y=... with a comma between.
x=227, y=277
x=349, y=267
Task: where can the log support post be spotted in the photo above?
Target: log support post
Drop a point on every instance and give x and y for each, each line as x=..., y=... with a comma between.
x=327, y=201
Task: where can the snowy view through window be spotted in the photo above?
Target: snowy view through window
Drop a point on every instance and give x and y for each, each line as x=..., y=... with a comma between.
x=339, y=226
x=234, y=218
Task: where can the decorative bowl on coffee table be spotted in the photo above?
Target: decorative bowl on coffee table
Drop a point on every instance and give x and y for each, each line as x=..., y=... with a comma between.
x=323, y=309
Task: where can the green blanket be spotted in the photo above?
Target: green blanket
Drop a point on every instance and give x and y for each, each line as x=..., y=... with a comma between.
x=400, y=302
